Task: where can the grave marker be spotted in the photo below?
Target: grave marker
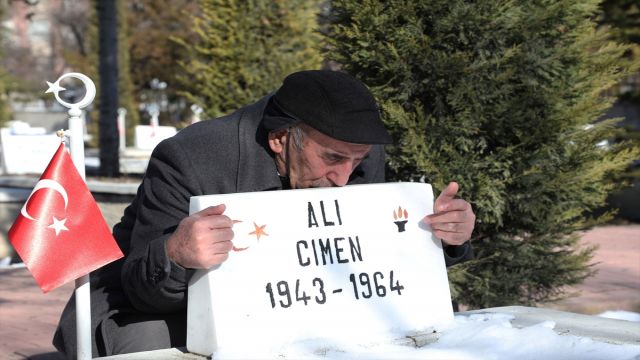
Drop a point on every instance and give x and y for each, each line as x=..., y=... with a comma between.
x=24, y=153
x=148, y=136
x=353, y=263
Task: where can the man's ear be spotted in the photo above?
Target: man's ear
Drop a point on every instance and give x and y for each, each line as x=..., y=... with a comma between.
x=278, y=140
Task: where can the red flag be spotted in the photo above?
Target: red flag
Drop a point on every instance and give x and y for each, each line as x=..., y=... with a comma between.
x=60, y=233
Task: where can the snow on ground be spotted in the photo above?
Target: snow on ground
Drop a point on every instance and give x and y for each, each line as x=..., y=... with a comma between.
x=621, y=315
x=472, y=337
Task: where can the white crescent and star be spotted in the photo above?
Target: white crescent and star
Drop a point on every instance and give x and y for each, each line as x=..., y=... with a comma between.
x=56, y=224
x=54, y=87
x=89, y=95
x=259, y=231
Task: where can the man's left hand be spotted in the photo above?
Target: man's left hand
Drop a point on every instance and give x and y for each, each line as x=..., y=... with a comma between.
x=453, y=219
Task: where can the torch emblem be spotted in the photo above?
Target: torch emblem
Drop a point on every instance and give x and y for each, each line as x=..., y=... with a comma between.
x=401, y=217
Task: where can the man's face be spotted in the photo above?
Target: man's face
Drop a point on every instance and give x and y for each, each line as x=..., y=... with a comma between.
x=322, y=162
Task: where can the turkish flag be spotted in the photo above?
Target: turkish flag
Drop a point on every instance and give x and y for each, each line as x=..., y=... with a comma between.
x=60, y=233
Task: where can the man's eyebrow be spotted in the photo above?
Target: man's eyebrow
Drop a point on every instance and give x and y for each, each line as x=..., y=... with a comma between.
x=335, y=154
x=340, y=156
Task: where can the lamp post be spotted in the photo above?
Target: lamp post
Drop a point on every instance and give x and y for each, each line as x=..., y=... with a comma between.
x=157, y=102
x=158, y=98
x=196, y=110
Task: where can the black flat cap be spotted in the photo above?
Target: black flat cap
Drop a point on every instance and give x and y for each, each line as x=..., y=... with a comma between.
x=334, y=103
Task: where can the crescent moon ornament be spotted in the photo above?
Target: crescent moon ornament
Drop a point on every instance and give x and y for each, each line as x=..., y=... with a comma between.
x=90, y=94
x=45, y=184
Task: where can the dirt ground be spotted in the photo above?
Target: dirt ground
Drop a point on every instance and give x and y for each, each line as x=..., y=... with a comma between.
x=616, y=285
x=28, y=318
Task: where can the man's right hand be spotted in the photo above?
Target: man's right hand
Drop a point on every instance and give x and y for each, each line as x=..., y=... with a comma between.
x=202, y=240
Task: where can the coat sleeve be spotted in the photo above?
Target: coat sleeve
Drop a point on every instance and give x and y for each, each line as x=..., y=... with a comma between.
x=457, y=254
x=150, y=280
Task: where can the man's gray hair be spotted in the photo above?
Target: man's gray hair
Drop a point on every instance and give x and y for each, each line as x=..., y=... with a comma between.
x=297, y=135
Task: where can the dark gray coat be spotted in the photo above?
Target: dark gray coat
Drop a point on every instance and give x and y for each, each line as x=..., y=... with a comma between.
x=226, y=155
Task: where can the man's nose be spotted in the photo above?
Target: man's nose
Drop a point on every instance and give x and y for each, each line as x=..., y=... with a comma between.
x=339, y=174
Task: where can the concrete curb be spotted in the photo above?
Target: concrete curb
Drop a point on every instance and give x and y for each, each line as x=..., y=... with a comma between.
x=18, y=188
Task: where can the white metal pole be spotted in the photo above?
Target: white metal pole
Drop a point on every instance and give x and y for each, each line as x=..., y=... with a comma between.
x=122, y=131
x=76, y=142
x=76, y=147
x=82, y=291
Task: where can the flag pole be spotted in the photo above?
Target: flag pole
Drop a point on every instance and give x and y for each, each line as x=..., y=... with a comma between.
x=82, y=291
x=76, y=147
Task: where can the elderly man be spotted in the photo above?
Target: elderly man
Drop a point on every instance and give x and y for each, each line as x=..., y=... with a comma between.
x=321, y=128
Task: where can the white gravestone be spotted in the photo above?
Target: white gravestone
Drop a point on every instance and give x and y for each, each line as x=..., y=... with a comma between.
x=27, y=153
x=148, y=136
x=352, y=263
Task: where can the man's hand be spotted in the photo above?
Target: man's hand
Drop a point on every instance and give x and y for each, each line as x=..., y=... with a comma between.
x=453, y=219
x=202, y=240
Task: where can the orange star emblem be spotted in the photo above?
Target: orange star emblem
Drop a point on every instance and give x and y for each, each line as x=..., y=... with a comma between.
x=259, y=231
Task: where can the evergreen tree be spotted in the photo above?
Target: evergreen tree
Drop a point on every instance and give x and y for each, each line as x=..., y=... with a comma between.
x=245, y=48
x=502, y=97
x=623, y=16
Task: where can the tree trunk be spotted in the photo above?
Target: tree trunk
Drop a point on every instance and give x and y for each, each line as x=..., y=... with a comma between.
x=108, y=68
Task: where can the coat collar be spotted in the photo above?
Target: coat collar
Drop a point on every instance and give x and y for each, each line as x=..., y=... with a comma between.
x=257, y=168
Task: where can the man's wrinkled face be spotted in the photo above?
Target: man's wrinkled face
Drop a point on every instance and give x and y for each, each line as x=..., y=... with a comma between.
x=321, y=162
